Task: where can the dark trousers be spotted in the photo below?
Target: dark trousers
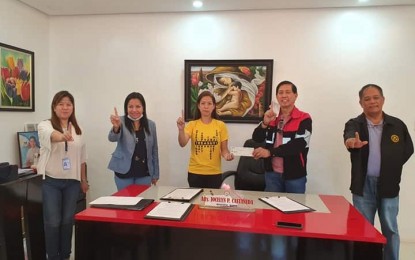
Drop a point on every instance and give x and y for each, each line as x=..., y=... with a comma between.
x=204, y=181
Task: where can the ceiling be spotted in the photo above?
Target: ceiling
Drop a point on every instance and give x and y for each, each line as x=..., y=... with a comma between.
x=90, y=7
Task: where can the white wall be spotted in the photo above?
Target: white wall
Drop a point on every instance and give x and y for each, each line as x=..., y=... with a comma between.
x=329, y=53
x=28, y=29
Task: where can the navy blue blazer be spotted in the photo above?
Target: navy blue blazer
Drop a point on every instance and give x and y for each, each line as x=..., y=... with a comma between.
x=121, y=158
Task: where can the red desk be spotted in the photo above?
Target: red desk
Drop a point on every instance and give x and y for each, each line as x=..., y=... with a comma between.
x=213, y=234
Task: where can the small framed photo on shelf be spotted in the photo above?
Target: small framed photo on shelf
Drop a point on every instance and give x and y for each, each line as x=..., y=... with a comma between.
x=29, y=147
x=242, y=88
x=17, y=83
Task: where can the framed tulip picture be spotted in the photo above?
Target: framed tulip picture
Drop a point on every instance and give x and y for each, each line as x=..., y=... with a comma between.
x=241, y=88
x=17, y=90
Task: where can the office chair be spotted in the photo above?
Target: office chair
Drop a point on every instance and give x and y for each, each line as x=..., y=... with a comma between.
x=249, y=174
x=8, y=172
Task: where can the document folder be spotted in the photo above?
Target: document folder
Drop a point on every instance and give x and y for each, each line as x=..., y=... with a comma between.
x=286, y=204
x=182, y=194
x=170, y=210
x=142, y=204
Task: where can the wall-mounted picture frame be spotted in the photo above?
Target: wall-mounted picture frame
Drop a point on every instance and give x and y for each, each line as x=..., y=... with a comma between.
x=242, y=88
x=17, y=86
x=28, y=143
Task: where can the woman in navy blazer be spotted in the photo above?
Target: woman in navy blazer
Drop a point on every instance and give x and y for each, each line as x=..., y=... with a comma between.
x=135, y=159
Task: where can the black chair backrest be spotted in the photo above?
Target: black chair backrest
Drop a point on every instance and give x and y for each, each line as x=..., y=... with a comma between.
x=250, y=172
x=8, y=173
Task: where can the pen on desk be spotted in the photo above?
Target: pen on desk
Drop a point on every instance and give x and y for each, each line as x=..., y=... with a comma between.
x=66, y=146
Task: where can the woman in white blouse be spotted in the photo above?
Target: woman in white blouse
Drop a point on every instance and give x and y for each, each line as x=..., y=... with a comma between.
x=62, y=163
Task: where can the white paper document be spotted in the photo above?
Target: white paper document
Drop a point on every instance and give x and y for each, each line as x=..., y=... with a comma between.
x=182, y=194
x=116, y=200
x=21, y=171
x=242, y=151
x=170, y=210
x=285, y=204
x=275, y=107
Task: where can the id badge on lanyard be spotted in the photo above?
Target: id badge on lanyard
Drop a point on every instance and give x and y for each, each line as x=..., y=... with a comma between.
x=66, y=164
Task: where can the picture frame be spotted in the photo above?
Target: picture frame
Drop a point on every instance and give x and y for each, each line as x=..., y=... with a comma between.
x=29, y=147
x=17, y=84
x=242, y=88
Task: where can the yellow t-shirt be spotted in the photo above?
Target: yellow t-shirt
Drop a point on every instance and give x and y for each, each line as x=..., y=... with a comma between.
x=206, y=139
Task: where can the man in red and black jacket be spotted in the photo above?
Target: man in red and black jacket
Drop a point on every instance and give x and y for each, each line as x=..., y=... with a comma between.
x=286, y=132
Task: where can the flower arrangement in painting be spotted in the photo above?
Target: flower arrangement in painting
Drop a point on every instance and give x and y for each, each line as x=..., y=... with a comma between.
x=15, y=82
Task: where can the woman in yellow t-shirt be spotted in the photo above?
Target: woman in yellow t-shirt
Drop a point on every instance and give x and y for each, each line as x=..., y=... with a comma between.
x=209, y=142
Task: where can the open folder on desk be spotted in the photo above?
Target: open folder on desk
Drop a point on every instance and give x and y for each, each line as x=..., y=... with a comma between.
x=117, y=202
x=170, y=210
x=285, y=204
x=25, y=172
x=182, y=194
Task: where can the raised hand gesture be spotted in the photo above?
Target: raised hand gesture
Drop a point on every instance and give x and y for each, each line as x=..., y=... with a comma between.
x=269, y=116
x=180, y=122
x=115, y=121
x=355, y=143
x=67, y=133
